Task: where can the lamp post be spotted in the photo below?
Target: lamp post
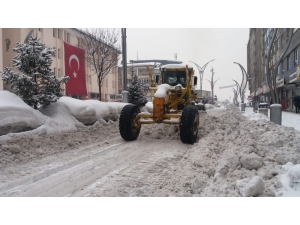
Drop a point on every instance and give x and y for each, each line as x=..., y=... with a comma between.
x=235, y=97
x=212, y=84
x=201, y=71
x=243, y=85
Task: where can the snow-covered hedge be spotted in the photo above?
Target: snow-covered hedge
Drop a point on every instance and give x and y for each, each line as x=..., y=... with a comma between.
x=16, y=115
x=64, y=115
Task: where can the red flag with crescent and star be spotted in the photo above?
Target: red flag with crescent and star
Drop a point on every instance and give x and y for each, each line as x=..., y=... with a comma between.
x=75, y=69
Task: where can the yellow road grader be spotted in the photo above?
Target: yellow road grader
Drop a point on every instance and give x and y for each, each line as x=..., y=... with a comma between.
x=173, y=103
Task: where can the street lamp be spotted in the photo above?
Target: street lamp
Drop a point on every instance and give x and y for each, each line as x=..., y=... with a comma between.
x=243, y=85
x=201, y=71
x=212, y=84
x=235, y=97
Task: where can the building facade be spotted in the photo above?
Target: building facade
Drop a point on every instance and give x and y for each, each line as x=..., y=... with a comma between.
x=55, y=38
x=255, y=63
x=288, y=75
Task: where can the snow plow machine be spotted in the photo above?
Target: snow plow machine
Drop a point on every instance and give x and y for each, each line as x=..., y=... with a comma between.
x=173, y=103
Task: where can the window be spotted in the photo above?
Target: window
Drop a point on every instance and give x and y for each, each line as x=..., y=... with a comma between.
x=288, y=63
x=53, y=32
x=58, y=53
x=295, y=57
x=54, y=71
x=58, y=72
x=58, y=33
x=39, y=29
x=68, y=37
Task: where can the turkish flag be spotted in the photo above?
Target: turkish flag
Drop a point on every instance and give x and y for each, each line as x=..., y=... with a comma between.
x=75, y=69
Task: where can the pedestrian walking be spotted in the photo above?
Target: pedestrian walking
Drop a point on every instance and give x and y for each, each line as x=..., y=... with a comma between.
x=297, y=103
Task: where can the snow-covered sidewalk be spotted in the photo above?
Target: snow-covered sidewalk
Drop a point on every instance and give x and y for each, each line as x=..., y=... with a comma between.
x=289, y=119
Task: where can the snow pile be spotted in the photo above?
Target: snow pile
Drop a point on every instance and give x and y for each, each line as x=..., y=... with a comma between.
x=66, y=115
x=162, y=91
x=251, y=186
x=25, y=147
x=81, y=110
x=59, y=120
x=289, y=183
x=258, y=116
x=209, y=106
x=236, y=156
x=16, y=115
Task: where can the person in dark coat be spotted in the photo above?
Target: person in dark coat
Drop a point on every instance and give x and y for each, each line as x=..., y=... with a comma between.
x=297, y=104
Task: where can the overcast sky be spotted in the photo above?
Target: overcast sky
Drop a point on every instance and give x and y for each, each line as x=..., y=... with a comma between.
x=199, y=45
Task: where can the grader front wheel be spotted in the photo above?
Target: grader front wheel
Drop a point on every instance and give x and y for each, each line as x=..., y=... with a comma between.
x=129, y=125
x=189, y=124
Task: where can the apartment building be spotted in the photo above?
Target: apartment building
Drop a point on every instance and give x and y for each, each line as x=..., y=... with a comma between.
x=288, y=75
x=55, y=38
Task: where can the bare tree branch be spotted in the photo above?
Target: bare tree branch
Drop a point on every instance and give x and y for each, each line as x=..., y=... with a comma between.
x=102, y=50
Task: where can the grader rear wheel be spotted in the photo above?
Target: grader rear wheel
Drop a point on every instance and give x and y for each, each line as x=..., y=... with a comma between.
x=189, y=124
x=129, y=124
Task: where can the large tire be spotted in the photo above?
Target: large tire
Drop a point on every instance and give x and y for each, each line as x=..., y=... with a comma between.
x=189, y=124
x=202, y=108
x=128, y=125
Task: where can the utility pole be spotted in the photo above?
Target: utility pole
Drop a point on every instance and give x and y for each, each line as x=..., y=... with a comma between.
x=124, y=58
x=124, y=62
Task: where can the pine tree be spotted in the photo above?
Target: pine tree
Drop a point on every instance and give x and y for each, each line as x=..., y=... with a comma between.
x=136, y=94
x=37, y=84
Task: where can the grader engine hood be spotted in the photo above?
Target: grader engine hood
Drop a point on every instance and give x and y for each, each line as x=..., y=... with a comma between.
x=159, y=102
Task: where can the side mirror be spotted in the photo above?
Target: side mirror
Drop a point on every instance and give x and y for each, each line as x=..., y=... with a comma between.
x=195, y=81
x=156, y=79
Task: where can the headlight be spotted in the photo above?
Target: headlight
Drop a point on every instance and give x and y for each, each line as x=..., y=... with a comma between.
x=177, y=88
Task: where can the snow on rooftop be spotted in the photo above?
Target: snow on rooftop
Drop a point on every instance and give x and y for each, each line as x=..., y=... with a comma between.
x=179, y=66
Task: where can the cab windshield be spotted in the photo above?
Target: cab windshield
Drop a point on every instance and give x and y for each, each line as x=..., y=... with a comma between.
x=174, y=77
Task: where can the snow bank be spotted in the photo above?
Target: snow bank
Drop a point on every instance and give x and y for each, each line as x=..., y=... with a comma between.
x=234, y=156
x=258, y=116
x=209, y=106
x=115, y=109
x=59, y=119
x=81, y=110
x=66, y=115
x=251, y=187
x=289, y=183
x=16, y=115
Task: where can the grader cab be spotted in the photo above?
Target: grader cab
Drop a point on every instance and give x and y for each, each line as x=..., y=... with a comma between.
x=173, y=103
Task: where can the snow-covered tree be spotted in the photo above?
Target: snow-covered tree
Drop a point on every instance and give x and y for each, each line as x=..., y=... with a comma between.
x=136, y=93
x=37, y=84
